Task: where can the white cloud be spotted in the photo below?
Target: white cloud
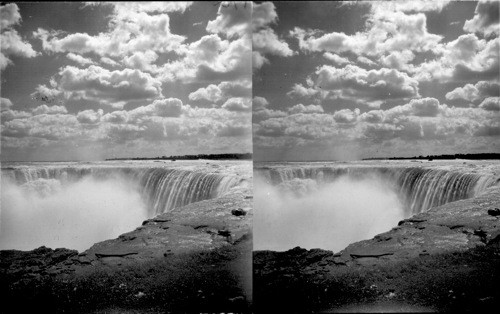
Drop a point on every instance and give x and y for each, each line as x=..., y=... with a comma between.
x=142, y=60
x=386, y=31
x=45, y=94
x=475, y=92
x=117, y=117
x=365, y=60
x=464, y=59
x=355, y=82
x=9, y=114
x=265, y=40
x=44, y=109
x=238, y=104
x=9, y=15
x=5, y=103
x=130, y=31
x=485, y=20
x=113, y=88
x=89, y=116
x=123, y=8
x=409, y=6
x=346, y=115
x=79, y=59
x=263, y=15
x=233, y=19
x=300, y=108
x=336, y=58
x=109, y=61
x=11, y=44
x=398, y=59
x=491, y=104
x=259, y=103
x=211, y=93
x=302, y=91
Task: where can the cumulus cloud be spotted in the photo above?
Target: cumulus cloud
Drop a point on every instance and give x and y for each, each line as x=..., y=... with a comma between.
x=5, y=103
x=336, y=58
x=211, y=60
x=44, y=109
x=223, y=91
x=302, y=91
x=346, y=115
x=300, y=108
x=79, y=59
x=142, y=60
x=113, y=88
x=377, y=84
x=117, y=117
x=259, y=103
x=11, y=43
x=211, y=93
x=89, y=116
x=45, y=94
x=463, y=59
x=491, y=104
x=9, y=15
x=386, y=31
x=9, y=114
x=265, y=40
x=130, y=31
x=238, y=104
x=409, y=6
x=486, y=18
x=472, y=92
x=233, y=19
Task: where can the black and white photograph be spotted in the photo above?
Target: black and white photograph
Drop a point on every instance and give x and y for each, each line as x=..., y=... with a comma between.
x=250, y=157
x=126, y=157
x=342, y=92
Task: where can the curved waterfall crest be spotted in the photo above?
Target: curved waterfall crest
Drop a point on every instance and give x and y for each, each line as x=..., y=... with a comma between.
x=418, y=188
x=161, y=188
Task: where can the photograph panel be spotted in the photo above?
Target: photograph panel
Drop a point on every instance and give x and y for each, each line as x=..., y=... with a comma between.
x=126, y=147
x=376, y=156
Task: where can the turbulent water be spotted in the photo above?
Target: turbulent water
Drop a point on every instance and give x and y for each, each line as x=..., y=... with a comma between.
x=333, y=206
x=74, y=205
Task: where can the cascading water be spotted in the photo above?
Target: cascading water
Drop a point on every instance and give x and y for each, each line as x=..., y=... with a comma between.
x=161, y=188
x=76, y=205
x=332, y=206
x=419, y=189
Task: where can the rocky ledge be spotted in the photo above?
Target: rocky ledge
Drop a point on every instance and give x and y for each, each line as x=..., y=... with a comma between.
x=423, y=261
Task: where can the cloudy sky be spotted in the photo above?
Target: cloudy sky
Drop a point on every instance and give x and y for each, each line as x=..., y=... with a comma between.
x=92, y=81
x=372, y=79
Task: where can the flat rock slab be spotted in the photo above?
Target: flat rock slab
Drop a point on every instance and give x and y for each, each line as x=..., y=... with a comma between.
x=115, y=253
x=369, y=252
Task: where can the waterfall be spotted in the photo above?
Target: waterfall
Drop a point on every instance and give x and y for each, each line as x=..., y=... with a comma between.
x=419, y=188
x=162, y=189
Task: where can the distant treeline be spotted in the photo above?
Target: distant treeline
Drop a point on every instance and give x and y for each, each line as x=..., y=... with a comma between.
x=456, y=156
x=191, y=157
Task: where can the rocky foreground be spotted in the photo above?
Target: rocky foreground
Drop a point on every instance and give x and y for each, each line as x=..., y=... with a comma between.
x=446, y=259
x=191, y=259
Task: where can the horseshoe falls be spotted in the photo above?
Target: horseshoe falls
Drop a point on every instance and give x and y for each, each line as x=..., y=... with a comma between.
x=331, y=205
x=75, y=205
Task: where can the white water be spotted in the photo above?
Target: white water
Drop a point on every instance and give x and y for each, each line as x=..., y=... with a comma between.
x=75, y=205
x=72, y=215
x=301, y=212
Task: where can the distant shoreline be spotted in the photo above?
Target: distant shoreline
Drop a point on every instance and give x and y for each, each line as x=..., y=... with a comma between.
x=247, y=156
x=443, y=157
